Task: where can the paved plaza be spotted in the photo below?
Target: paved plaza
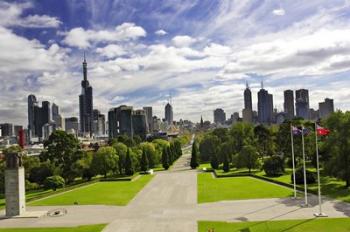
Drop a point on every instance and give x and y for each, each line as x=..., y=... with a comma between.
x=169, y=203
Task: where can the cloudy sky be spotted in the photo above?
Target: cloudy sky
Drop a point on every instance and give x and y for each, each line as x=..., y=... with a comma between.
x=201, y=52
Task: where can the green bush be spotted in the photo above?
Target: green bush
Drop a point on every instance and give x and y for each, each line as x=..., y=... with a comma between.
x=31, y=186
x=54, y=182
x=273, y=166
x=299, y=176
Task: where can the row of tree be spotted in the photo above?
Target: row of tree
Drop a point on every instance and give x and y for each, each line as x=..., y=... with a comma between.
x=249, y=146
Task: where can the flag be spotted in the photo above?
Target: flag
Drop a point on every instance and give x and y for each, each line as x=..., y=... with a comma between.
x=296, y=130
x=306, y=131
x=321, y=130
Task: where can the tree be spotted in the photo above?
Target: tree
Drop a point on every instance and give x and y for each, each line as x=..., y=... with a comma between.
x=178, y=148
x=248, y=157
x=208, y=146
x=299, y=177
x=40, y=173
x=121, y=149
x=151, y=154
x=214, y=161
x=129, y=169
x=144, y=161
x=337, y=145
x=264, y=140
x=105, y=160
x=273, y=166
x=63, y=150
x=54, y=182
x=194, y=156
x=226, y=163
x=165, y=158
x=242, y=134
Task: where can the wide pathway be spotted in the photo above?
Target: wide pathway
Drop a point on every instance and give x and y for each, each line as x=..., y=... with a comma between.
x=169, y=203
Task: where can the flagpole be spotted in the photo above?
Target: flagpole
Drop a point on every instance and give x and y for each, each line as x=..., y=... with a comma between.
x=304, y=167
x=319, y=214
x=292, y=142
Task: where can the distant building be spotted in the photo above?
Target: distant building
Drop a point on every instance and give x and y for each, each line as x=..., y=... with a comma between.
x=32, y=102
x=247, y=115
x=139, y=123
x=72, y=125
x=120, y=121
x=302, y=104
x=99, y=123
x=247, y=112
x=265, y=106
x=7, y=129
x=314, y=114
x=85, y=104
x=17, y=129
x=149, y=117
x=281, y=117
x=326, y=108
x=57, y=118
x=42, y=116
x=289, y=104
x=219, y=116
x=169, y=117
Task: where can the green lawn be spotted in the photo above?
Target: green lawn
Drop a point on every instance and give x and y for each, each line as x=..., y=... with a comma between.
x=237, y=188
x=306, y=225
x=90, y=228
x=100, y=193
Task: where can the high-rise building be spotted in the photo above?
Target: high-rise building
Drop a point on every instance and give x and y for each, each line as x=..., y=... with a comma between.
x=120, y=121
x=247, y=115
x=169, y=114
x=149, y=117
x=72, y=125
x=248, y=98
x=265, y=106
x=314, y=114
x=289, y=104
x=326, y=108
x=42, y=116
x=31, y=124
x=86, y=104
x=7, y=129
x=17, y=129
x=219, y=116
x=99, y=123
x=139, y=123
x=302, y=103
x=56, y=117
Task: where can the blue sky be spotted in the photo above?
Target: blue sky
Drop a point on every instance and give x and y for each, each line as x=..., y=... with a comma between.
x=201, y=52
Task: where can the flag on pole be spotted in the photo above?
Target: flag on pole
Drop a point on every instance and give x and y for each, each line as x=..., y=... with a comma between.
x=296, y=130
x=322, y=131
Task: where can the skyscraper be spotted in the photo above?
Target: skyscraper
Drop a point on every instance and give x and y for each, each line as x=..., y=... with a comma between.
x=219, y=116
x=289, y=104
x=99, y=123
x=169, y=114
x=42, y=116
x=72, y=125
x=120, y=121
x=265, y=106
x=149, y=117
x=31, y=125
x=326, y=108
x=247, y=112
x=56, y=117
x=86, y=103
x=302, y=103
x=139, y=123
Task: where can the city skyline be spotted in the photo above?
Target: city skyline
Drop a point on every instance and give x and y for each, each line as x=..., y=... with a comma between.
x=137, y=59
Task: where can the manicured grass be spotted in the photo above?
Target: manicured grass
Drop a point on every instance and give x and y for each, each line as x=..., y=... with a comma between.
x=237, y=188
x=89, y=228
x=100, y=193
x=306, y=225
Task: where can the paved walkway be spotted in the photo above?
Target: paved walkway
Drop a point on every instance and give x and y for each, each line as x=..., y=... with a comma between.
x=169, y=203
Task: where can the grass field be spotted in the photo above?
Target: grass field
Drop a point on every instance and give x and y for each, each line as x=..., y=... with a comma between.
x=90, y=228
x=306, y=225
x=100, y=193
x=237, y=188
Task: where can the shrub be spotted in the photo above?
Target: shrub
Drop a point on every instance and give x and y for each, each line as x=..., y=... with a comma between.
x=54, y=182
x=273, y=166
x=31, y=186
x=299, y=176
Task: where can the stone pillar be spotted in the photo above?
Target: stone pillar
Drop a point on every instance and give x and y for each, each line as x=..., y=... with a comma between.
x=14, y=186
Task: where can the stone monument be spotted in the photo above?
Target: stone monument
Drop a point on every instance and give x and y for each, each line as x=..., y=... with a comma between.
x=14, y=185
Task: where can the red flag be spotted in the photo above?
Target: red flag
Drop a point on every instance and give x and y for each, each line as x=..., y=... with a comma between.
x=322, y=131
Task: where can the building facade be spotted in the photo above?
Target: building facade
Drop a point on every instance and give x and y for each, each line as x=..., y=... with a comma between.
x=169, y=117
x=302, y=104
x=289, y=104
x=139, y=123
x=265, y=107
x=326, y=108
x=149, y=117
x=219, y=116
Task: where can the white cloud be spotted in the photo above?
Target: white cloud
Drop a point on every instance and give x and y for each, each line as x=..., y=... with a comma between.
x=11, y=15
x=161, y=32
x=81, y=38
x=111, y=51
x=183, y=40
x=279, y=12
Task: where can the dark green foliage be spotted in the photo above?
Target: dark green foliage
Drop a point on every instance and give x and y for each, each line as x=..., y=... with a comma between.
x=129, y=169
x=144, y=161
x=54, y=182
x=165, y=158
x=248, y=157
x=273, y=166
x=39, y=174
x=299, y=176
x=177, y=144
x=105, y=160
x=194, y=156
x=214, y=161
x=226, y=163
x=63, y=151
x=264, y=141
x=208, y=146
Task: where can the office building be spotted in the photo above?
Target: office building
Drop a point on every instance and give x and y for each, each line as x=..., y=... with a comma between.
x=120, y=121
x=7, y=130
x=289, y=104
x=86, y=104
x=72, y=125
x=32, y=102
x=57, y=118
x=139, y=123
x=169, y=114
x=326, y=108
x=149, y=117
x=265, y=106
x=247, y=112
x=302, y=105
x=99, y=123
x=17, y=129
x=219, y=116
